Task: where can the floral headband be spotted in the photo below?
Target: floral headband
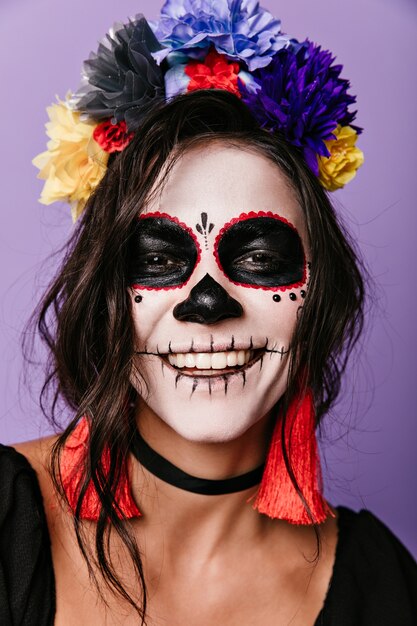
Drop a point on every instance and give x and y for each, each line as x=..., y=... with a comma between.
x=291, y=87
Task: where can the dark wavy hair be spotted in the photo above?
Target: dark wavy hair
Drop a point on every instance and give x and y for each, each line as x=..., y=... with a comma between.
x=85, y=316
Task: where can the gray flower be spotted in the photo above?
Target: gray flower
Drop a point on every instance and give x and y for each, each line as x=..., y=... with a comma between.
x=122, y=79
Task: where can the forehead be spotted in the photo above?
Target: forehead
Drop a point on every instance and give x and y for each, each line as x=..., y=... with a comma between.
x=224, y=182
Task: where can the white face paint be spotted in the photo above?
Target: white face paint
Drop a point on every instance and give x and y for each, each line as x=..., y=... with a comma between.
x=215, y=359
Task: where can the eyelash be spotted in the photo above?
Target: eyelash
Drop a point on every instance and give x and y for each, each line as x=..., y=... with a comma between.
x=166, y=261
x=270, y=256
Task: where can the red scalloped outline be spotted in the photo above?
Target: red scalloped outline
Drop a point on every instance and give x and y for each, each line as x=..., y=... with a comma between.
x=189, y=231
x=246, y=216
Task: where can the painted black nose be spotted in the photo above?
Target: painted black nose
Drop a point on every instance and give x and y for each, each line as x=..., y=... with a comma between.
x=207, y=303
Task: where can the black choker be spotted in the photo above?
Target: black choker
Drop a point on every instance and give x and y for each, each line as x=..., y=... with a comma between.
x=166, y=471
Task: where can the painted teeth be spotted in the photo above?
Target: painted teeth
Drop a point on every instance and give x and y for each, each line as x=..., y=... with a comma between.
x=211, y=360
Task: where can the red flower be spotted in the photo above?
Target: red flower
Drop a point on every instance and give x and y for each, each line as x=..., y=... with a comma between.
x=112, y=137
x=215, y=73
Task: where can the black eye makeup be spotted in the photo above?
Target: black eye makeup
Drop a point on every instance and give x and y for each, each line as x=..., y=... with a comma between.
x=261, y=251
x=162, y=252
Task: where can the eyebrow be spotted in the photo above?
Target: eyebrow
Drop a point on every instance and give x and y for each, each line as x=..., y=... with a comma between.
x=161, y=218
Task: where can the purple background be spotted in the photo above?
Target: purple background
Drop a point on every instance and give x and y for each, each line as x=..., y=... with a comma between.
x=370, y=438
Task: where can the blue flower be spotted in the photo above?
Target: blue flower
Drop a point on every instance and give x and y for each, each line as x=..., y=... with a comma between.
x=240, y=29
x=302, y=95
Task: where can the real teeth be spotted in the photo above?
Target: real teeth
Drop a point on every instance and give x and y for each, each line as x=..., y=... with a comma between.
x=211, y=360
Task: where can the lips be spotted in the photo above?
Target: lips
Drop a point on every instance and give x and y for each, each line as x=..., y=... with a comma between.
x=212, y=364
x=210, y=360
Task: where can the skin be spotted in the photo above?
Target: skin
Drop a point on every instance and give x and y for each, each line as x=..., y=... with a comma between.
x=223, y=182
x=207, y=559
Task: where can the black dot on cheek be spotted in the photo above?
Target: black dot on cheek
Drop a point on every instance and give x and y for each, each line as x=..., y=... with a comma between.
x=293, y=296
x=276, y=297
x=302, y=293
x=138, y=299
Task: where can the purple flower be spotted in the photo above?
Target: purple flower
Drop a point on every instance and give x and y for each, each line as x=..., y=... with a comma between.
x=239, y=28
x=302, y=95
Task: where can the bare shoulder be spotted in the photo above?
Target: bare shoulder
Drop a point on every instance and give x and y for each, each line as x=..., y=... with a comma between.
x=38, y=453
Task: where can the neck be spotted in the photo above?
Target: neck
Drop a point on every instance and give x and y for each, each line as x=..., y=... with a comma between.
x=166, y=471
x=210, y=460
x=207, y=518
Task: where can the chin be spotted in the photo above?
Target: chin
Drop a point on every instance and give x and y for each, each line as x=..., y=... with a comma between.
x=209, y=430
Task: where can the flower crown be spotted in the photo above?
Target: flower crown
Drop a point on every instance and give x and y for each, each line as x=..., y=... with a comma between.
x=289, y=86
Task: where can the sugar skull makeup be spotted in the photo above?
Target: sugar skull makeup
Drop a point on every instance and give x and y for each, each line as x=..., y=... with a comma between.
x=218, y=265
x=164, y=252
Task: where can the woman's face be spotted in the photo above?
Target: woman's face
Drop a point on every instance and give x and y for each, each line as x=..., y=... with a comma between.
x=221, y=262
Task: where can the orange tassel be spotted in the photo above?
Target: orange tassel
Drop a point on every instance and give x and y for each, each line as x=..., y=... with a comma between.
x=277, y=496
x=72, y=463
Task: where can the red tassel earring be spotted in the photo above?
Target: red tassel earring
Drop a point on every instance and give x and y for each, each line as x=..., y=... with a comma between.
x=72, y=469
x=277, y=496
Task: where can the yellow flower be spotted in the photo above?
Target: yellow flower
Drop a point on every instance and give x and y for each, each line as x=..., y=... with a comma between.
x=345, y=159
x=74, y=164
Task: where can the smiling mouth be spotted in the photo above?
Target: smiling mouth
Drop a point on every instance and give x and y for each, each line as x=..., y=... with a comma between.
x=213, y=364
x=216, y=367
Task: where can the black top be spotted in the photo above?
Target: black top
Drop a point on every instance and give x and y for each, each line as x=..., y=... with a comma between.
x=374, y=581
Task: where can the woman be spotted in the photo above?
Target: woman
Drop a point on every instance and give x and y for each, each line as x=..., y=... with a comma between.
x=198, y=329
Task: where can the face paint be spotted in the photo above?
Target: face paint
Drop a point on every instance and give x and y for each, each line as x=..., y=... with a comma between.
x=207, y=303
x=262, y=250
x=214, y=350
x=204, y=229
x=163, y=252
